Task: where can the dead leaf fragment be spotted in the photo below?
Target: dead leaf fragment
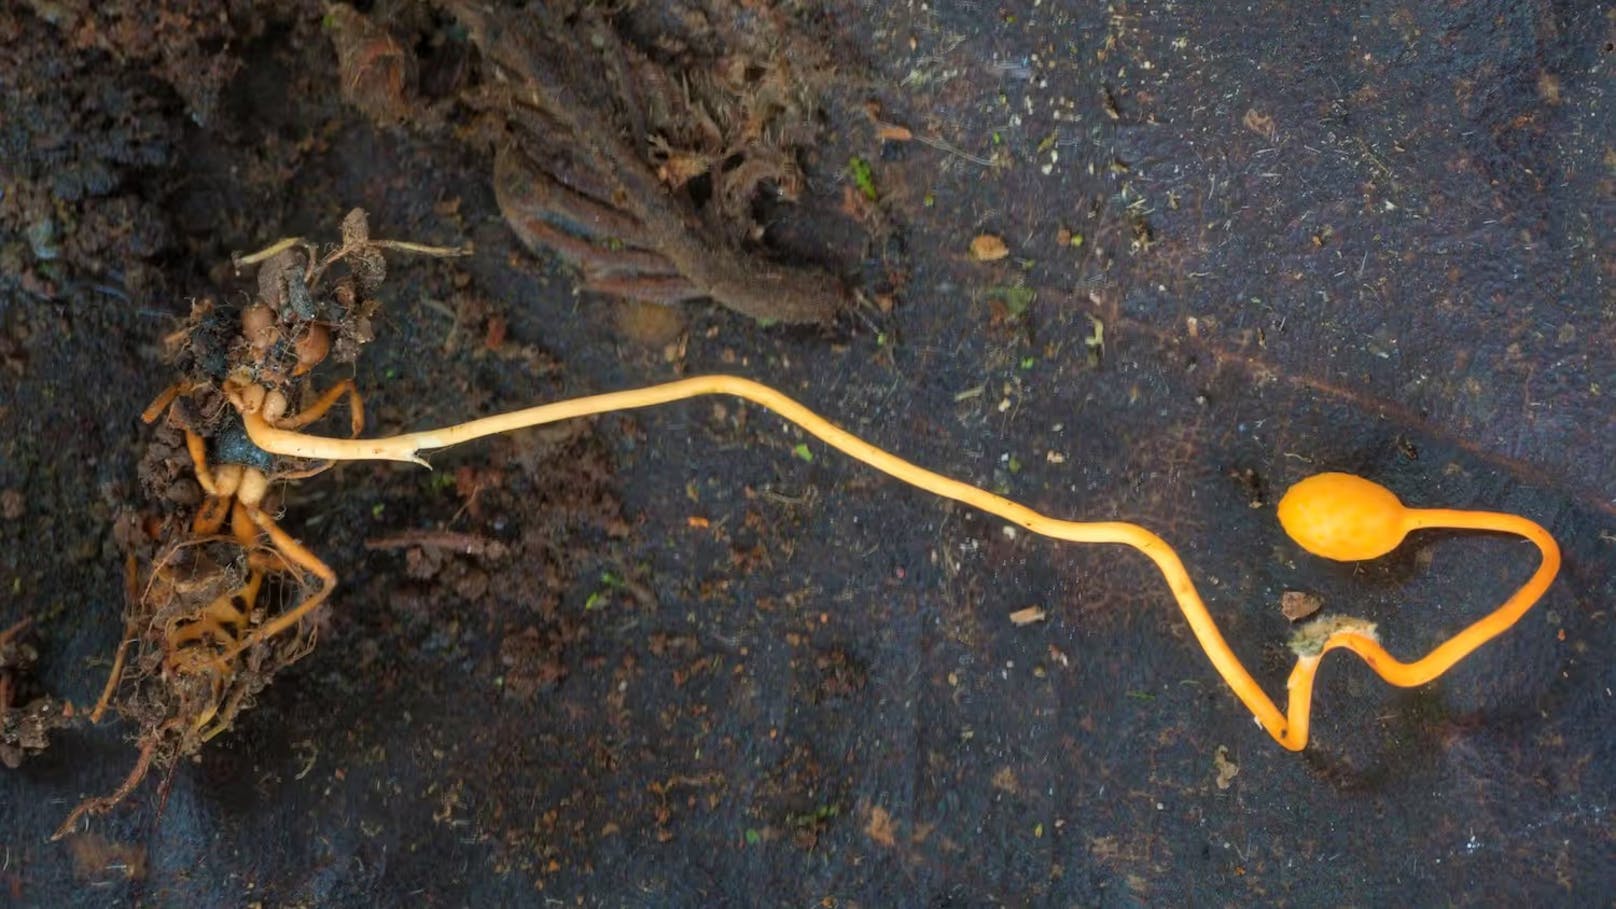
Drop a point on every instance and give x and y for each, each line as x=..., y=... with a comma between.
x=988, y=248
x=96, y=858
x=886, y=132
x=1260, y=123
x=1028, y=616
x=881, y=827
x=1297, y=605
x=1227, y=769
x=378, y=72
x=1005, y=781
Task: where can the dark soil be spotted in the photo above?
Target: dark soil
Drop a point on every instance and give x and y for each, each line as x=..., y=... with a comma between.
x=679, y=657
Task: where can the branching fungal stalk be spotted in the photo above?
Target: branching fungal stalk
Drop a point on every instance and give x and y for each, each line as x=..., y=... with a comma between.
x=1333, y=515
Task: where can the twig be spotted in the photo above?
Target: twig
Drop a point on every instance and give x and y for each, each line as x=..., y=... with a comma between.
x=957, y=152
x=463, y=543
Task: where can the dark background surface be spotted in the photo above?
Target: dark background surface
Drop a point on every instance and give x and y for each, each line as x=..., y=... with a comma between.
x=1375, y=237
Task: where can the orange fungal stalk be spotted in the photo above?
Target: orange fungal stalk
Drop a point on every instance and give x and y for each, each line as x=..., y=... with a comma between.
x=1334, y=515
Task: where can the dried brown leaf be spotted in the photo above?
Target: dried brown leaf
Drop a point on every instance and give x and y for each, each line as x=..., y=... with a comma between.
x=1297, y=605
x=1029, y=615
x=1227, y=769
x=988, y=248
x=1260, y=123
x=377, y=70
x=881, y=827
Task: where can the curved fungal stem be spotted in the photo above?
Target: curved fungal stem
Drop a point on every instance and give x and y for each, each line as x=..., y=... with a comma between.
x=1337, y=493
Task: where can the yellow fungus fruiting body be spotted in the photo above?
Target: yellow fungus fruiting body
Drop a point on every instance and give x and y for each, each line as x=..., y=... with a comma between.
x=1343, y=517
x=1334, y=515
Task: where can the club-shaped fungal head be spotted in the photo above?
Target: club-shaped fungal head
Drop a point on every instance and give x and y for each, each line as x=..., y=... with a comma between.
x=1343, y=517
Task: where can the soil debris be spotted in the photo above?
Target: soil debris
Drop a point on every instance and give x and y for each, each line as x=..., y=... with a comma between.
x=187, y=44
x=74, y=132
x=24, y=729
x=219, y=598
x=532, y=661
x=841, y=676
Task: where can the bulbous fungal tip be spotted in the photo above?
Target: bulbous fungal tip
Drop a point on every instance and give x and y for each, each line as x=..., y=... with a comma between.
x=259, y=328
x=312, y=348
x=1343, y=517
